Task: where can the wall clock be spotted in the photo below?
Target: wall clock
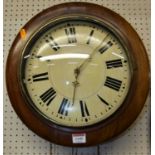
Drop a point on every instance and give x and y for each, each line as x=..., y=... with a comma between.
x=77, y=74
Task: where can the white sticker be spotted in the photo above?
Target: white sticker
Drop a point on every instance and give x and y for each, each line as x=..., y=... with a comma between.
x=78, y=138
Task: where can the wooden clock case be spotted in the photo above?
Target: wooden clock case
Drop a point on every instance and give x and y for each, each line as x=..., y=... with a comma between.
x=106, y=129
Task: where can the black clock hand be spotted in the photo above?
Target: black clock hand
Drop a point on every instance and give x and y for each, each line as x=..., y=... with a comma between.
x=75, y=84
x=74, y=91
x=90, y=56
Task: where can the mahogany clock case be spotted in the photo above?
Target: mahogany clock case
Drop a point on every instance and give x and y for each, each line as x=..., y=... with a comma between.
x=122, y=118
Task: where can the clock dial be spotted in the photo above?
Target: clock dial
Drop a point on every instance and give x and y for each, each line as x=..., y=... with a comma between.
x=76, y=73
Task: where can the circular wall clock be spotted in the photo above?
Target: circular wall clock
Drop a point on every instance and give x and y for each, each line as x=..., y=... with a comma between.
x=77, y=74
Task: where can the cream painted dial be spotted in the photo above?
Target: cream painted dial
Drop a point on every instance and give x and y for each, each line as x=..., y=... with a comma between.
x=75, y=72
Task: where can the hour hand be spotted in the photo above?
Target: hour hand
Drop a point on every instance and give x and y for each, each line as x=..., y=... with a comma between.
x=75, y=83
x=76, y=73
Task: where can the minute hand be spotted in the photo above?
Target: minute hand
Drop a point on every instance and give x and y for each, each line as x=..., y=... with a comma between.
x=91, y=55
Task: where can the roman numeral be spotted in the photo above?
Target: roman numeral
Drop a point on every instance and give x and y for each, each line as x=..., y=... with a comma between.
x=48, y=96
x=114, y=63
x=64, y=107
x=52, y=43
x=108, y=106
x=40, y=77
x=113, y=83
x=71, y=32
x=105, y=47
x=84, y=109
x=90, y=36
x=105, y=102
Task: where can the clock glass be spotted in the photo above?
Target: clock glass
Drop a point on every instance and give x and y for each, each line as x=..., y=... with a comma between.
x=75, y=72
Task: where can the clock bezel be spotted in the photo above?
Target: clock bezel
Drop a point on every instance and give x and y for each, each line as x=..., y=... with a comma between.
x=32, y=41
x=112, y=126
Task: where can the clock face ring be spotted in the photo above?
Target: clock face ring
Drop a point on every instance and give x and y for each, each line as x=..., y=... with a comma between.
x=56, y=87
x=73, y=86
